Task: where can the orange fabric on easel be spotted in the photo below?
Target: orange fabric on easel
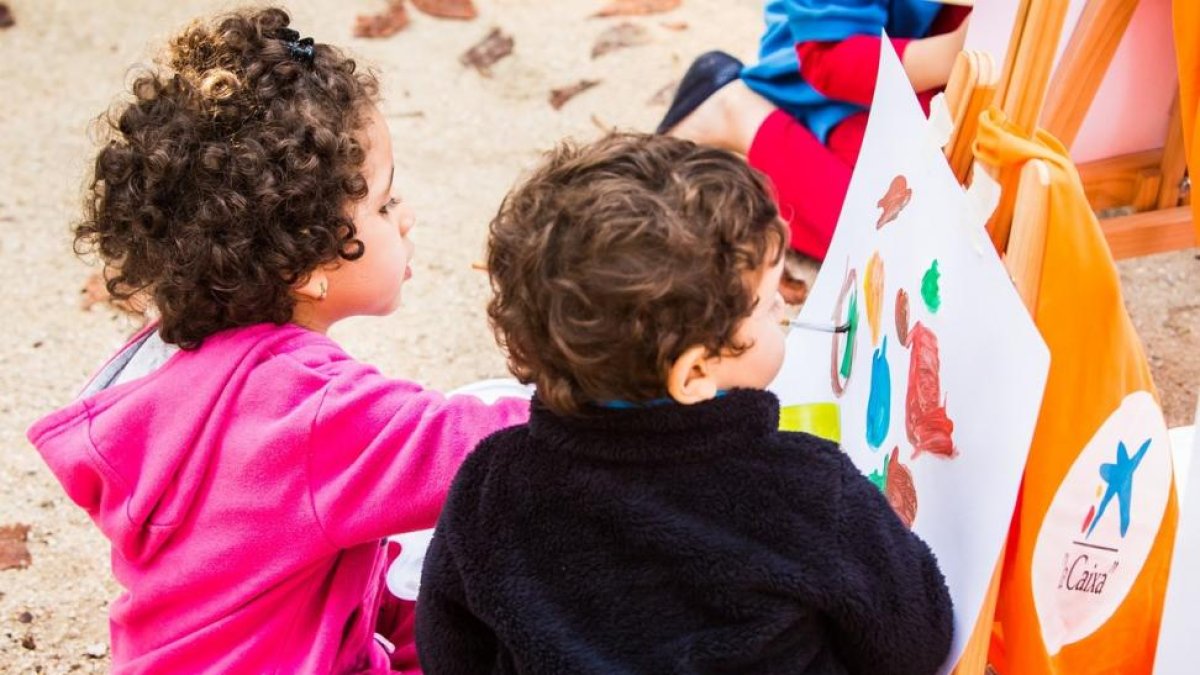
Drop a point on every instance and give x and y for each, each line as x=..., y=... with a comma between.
x=1096, y=364
x=1187, y=51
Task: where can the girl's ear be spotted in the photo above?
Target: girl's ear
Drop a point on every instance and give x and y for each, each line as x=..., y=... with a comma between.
x=315, y=287
x=690, y=378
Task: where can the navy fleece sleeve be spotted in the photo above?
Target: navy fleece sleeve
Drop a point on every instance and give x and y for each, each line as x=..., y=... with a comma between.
x=893, y=611
x=450, y=639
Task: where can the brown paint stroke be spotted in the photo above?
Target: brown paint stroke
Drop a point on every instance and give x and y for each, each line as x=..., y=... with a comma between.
x=900, y=490
x=892, y=203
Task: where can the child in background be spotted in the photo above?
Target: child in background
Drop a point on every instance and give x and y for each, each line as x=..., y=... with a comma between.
x=799, y=113
x=243, y=466
x=650, y=517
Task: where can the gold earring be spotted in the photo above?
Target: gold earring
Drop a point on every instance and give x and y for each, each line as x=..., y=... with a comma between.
x=324, y=290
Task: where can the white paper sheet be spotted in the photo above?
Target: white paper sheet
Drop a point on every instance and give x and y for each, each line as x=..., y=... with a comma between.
x=978, y=357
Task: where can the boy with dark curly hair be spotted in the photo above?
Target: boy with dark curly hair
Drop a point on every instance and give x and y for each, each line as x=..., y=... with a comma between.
x=650, y=517
x=243, y=466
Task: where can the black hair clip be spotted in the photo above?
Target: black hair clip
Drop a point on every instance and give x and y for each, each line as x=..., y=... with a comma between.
x=301, y=49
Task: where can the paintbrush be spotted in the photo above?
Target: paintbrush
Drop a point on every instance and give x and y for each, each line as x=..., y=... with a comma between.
x=824, y=328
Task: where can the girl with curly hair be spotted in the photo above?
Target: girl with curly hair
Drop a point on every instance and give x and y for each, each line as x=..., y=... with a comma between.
x=244, y=468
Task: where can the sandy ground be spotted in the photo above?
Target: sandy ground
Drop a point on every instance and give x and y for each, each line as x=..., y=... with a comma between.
x=460, y=140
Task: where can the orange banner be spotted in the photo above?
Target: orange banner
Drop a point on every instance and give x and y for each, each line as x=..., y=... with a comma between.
x=1090, y=544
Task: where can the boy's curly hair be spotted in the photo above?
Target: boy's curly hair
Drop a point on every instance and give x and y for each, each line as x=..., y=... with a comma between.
x=226, y=179
x=612, y=259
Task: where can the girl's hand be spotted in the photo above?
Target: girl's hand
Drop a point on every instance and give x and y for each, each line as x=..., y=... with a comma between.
x=928, y=61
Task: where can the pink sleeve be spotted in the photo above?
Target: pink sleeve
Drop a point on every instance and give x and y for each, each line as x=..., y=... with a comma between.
x=384, y=452
x=835, y=69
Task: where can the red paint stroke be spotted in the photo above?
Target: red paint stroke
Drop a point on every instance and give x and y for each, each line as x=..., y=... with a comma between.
x=929, y=429
x=892, y=203
x=1088, y=521
x=900, y=490
x=902, y=317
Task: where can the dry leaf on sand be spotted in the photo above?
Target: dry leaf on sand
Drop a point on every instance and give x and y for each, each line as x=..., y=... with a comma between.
x=14, y=554
x=620, y=36
x=663, y=96
x=384, y=24
x=95, y=292
x=495, y=46
x=637, y=7
x=447, y=9
x=560, y=96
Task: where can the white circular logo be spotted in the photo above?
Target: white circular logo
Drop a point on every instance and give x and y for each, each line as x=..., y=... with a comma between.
x=1102, y=523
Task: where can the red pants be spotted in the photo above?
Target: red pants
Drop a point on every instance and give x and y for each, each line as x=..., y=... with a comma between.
x=810, y=179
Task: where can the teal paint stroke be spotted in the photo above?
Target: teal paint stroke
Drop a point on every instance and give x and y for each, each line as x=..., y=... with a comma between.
x=852, y=318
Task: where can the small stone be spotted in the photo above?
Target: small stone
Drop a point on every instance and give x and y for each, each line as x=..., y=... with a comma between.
x=25, y=617
x=27, y=642
x=96, y=651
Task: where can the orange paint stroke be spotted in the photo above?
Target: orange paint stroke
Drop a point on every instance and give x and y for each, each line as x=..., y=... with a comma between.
x=873, y=290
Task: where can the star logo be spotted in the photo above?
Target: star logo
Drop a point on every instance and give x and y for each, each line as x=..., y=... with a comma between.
x=1119, y=478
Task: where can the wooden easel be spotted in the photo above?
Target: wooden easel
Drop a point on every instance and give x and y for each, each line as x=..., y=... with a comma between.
x=1147, y=184
x=1018, y=227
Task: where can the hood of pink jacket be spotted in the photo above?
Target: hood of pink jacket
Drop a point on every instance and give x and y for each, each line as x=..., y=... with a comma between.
x=133, y=456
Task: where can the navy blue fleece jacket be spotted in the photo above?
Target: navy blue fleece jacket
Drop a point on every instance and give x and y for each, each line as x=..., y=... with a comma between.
x=675, y=539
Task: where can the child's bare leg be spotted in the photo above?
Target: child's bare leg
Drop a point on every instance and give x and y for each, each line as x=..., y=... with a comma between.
x=729, y=119
x=799, y=274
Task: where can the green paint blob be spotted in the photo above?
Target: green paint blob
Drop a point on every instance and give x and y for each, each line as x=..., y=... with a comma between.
x=852, y=318
x=879, y=478
x=930, y=290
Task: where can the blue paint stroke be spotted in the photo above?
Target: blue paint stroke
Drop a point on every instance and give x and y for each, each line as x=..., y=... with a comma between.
x=879, y=402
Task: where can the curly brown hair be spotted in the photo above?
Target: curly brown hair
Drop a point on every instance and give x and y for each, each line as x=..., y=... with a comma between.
x=612, y=259
x=227, y=178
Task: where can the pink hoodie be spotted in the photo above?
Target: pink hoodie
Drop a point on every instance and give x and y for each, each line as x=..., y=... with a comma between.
x=245, y=488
